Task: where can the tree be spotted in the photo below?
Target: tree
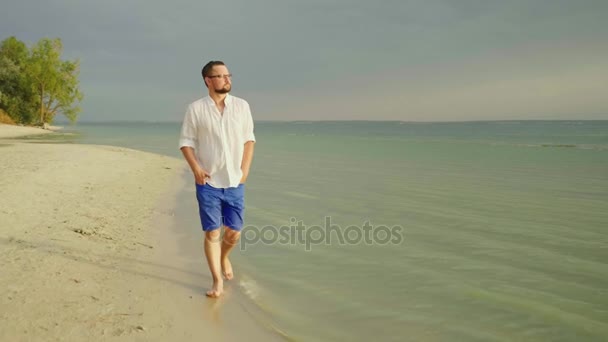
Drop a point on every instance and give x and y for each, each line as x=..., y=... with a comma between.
x=54, y=81
x=17, y=97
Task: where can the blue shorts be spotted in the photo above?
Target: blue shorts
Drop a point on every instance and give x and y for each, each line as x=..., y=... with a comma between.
x=221, y=207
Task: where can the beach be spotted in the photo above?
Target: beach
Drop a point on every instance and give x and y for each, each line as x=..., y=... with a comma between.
x=13, y=131
x=86, y=254
x=502, y=235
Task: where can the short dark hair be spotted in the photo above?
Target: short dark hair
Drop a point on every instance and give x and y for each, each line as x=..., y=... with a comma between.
x=207, y=68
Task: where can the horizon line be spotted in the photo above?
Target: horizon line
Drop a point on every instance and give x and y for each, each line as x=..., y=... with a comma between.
x=340, y=120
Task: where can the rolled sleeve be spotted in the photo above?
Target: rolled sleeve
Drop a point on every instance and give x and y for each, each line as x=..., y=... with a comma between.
x=188, y=136
x=249, y=135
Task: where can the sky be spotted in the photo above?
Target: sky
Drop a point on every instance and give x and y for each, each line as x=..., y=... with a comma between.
x=418, y=60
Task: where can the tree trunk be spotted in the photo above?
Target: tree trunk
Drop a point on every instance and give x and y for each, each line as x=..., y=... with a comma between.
x=42, y=104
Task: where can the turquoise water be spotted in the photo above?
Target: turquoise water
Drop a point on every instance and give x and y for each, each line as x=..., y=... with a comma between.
x=503, y=227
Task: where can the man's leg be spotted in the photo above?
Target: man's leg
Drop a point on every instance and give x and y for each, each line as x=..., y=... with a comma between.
x=209, y=201
x=231, y=239
x=232, y=210
x=213, y=252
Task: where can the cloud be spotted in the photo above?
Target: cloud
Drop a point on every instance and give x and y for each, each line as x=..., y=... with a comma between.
x=327, y=59
x=538, y=82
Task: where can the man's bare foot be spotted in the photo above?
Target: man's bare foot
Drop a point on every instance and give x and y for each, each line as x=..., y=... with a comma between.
x=227, y=269
x=217, y=289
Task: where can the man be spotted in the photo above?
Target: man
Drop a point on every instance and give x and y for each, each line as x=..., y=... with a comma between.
x=217, y=141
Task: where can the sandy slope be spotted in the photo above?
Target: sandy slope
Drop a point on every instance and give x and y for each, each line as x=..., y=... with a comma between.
x=74, y=225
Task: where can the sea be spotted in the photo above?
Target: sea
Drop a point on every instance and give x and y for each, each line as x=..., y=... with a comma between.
x=414, y=231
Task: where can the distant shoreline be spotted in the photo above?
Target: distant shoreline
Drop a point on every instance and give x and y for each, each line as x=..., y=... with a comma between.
x=16, y=131
x=346, y=121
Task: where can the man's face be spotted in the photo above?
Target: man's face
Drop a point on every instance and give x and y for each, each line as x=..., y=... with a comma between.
x=220, y=79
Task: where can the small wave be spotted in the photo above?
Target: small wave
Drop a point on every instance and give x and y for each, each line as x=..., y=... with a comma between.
x=558, y=145
x=257, y=310
x=537, y=145
x=250, y=288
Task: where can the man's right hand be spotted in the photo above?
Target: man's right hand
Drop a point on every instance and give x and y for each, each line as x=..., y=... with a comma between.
x=200, y=176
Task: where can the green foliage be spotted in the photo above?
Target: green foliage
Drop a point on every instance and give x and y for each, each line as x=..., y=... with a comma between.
x=17, y=97
x=35, y=84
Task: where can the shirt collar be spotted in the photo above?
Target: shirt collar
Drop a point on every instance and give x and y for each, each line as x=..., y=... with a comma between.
x=227, y=100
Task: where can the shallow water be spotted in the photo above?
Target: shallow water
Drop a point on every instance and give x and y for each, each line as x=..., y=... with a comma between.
x=503, y=227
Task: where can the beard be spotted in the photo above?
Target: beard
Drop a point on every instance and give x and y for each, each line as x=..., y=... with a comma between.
x=224, y=90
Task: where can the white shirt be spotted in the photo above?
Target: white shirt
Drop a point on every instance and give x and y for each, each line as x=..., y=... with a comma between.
x=218, y=139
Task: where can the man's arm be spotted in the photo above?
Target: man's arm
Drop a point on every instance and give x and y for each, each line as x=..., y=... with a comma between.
x=249, y=142
x=200, y=175
x=247, y=158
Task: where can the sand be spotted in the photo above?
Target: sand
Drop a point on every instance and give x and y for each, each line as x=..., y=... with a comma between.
x=89, y=250
x=73, y=221
x=10, y=131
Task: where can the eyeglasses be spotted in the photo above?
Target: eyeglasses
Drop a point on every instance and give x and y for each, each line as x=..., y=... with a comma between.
x=221, y=76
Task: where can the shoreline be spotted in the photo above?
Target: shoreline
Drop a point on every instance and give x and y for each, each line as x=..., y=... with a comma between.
x=90, y=248
x=180, y=250
x=16, y=131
